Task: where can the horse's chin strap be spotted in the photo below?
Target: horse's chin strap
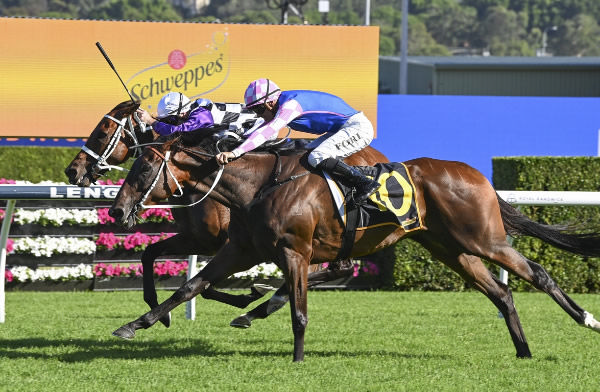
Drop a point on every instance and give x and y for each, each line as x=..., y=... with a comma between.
x=101, y=163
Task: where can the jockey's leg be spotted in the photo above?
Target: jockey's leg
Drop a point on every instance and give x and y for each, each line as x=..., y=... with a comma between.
x=353, y=136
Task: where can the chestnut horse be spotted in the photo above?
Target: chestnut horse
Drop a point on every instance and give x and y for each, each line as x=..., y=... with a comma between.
x=202, y=229
x=464, y=220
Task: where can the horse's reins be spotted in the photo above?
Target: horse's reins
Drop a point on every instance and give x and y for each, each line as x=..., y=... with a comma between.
x=274, y=180
x=166, y=158
x=164, y=163
x=125, y=125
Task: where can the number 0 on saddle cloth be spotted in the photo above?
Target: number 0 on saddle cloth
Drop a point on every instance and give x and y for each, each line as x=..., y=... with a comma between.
x=392, y=204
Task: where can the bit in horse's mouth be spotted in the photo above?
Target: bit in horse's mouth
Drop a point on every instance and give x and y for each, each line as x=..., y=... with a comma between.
x=129, y=222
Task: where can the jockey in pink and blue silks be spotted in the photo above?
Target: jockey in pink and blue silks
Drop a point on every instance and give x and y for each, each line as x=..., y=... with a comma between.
x=343, y=130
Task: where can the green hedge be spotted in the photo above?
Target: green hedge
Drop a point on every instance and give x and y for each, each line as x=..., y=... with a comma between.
x=37, y=164
x=573, y=273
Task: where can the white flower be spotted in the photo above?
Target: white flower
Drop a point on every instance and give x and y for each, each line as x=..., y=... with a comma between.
x=25, y=274
x=47, y=246
x=56, y=216
x=23, y=217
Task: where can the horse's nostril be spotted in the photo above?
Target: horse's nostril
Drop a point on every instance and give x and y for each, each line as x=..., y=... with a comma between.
x=70, y=173
x=116, y=213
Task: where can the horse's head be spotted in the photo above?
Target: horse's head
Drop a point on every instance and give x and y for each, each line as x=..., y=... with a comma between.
x=160, y=172
x=107, y=145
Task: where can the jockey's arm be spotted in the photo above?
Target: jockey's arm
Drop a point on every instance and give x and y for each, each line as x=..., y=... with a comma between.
x=199, y=118
x=287, y=112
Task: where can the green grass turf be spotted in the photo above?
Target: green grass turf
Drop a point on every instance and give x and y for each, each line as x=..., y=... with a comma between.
x=355, y=341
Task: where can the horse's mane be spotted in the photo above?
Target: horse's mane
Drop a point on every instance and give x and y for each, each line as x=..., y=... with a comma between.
x=126, y=108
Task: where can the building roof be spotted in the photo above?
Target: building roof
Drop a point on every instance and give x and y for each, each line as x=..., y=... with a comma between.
x=501, y=61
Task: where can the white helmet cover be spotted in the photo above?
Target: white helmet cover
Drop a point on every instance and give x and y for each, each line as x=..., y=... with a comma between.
x=172, y=104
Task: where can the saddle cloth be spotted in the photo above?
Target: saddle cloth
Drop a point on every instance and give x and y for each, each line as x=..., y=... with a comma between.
x=392, y=204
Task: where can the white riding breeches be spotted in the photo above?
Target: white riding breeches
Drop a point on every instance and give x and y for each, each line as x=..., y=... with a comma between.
x=356, y=134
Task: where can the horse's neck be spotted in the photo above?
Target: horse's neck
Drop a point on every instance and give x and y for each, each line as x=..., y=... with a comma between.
x=253, y=174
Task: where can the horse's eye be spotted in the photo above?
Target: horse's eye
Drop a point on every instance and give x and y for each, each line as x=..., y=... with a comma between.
x=145, y=169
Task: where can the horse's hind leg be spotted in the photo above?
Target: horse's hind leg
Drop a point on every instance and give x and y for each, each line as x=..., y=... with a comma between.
x=336, y=270
x=532, y=272
x=257, y=291
x=474, y=272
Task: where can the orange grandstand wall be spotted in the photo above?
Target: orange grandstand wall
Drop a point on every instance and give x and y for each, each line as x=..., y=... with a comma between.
x=55, y=83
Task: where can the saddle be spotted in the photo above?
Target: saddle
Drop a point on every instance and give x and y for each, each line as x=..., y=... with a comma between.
x=394, y=203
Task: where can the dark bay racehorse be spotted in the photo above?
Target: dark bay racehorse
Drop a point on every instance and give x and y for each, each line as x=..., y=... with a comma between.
x=202, y=229
x=296, y=224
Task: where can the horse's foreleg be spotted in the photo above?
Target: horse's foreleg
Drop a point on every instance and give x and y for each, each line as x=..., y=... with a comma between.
x=179, y=244
x=281, y=297
x=171, y=245
x=296, y=273
x=189, y=290
x=228, y=261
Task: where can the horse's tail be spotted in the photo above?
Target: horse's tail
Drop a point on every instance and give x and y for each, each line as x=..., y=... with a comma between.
x=561, y=236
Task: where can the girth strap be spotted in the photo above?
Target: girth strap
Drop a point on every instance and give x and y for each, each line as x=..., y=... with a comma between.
x=352, y=218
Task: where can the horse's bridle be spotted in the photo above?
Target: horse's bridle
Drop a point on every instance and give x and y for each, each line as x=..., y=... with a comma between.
x=125, y=126
x=165, y=160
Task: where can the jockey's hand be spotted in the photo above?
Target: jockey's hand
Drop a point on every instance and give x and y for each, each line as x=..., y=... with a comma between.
x=145, y=116
x=224, y=157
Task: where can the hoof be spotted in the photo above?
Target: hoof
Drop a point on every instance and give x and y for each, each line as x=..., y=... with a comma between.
x=166, y=320
x=241, y=322
x=262, y=289
x=125, y=332
x=591, y=322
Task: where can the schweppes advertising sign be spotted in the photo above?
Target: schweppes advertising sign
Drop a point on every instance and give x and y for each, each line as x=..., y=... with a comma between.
x=55, y=83
x=195, y=75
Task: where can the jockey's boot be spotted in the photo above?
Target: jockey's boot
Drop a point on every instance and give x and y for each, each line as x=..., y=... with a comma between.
x=351, y=177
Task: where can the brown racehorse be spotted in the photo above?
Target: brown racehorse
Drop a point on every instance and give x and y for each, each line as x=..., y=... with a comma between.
x=296, y=224
x=202, y=229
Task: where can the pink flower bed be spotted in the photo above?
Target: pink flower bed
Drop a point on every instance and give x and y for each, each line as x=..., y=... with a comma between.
x=167, y=268
x=370, y=268
x=9, y=246
x=150, y=215
x=8, y=276
x=137, y=241
x=111, y=182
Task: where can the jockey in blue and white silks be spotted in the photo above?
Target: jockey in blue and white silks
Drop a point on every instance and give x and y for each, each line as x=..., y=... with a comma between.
x=343, y=129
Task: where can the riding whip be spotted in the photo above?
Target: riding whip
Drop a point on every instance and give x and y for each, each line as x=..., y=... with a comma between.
x=114, y=69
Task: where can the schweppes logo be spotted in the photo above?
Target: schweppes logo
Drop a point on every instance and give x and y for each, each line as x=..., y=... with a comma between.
x=193, y=74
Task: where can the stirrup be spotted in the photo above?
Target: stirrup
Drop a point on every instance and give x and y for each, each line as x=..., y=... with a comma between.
x=360, y=198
